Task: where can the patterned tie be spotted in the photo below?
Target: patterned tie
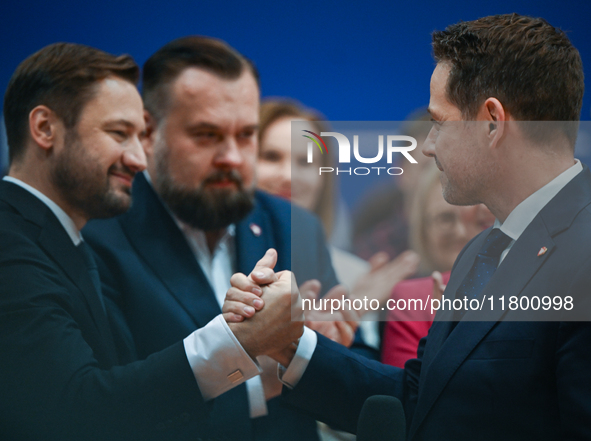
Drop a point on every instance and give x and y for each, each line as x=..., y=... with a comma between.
x=92, y=270
x=484, y=267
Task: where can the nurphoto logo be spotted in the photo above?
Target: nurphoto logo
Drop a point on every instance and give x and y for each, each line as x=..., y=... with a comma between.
x=400, y=144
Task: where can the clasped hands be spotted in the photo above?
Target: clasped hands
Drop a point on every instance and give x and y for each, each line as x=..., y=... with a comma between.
x=264, y=311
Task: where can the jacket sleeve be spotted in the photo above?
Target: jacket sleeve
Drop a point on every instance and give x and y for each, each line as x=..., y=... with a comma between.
x=53, y=387
x=337, y=382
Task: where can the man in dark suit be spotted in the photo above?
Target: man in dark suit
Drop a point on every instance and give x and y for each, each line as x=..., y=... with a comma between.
x=491, y=375
x=196, y=219
x=74, y=120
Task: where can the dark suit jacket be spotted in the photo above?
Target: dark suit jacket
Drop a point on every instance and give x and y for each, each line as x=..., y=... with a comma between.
x=60, y=378
x=486, y=380
x=149, y=269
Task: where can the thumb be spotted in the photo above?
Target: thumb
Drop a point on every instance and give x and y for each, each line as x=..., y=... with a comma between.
x=263, y=273
x=269, y=260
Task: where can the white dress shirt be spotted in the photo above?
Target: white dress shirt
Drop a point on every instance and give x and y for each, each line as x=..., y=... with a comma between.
x=218, y=267
x=514, y=226
x=216, y=357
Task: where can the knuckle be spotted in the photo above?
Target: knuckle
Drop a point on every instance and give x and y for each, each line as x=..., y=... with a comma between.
x=237, y=278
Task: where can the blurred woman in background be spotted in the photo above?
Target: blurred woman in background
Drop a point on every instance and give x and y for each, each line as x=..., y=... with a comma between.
x=283, y=170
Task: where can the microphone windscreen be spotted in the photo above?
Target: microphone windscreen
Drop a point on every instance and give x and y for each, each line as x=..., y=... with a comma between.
x=381, y=419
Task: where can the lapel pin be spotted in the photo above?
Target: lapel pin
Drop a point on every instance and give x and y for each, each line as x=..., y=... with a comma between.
x=542, y=251
x=256, y=230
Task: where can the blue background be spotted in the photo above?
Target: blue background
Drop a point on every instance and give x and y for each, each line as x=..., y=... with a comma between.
x=352, y=60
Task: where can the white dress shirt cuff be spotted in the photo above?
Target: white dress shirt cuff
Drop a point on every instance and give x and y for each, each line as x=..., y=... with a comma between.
x=217, y=359
x=257, y=403
x=291, y=375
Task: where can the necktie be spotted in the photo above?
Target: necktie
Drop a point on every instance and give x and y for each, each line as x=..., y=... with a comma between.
x=92, y=270
x=484, y=267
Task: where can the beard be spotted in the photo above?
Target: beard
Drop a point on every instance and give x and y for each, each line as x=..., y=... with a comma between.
x=84, y=185
x=203, y=208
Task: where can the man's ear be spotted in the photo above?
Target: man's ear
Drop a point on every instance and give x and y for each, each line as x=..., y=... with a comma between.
x=150, y=134
x=494, y=115
x=45, y=127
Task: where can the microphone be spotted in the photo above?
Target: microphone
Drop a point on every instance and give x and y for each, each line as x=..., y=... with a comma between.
x=381, y=419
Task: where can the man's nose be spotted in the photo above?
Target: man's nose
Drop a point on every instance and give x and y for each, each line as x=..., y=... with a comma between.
x=134, y=157
x=229, y=154
x=428, y=148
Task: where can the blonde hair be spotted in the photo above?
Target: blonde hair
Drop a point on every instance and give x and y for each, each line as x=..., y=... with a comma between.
x=273, y=109
x=418, y=218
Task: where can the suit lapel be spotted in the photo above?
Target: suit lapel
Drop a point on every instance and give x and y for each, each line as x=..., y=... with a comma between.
x=161, y=244
x=59, y=246
x=56, y=242
x=254, y=236
x=445, y=351
x=449, y=350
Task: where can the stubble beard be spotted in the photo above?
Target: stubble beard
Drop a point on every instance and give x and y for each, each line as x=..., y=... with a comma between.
x=465, y=188
x=84, y=186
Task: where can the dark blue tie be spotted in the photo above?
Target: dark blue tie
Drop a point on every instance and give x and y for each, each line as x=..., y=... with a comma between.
x=92, y=270
x=484, y=267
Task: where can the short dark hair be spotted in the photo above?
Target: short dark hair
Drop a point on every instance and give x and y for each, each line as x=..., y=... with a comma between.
x=529, y=65
x=166, y=64
x=63, y=77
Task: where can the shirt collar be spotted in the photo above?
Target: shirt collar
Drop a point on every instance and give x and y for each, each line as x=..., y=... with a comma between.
x=197, y=237
x=528, y=209
x=61, y=215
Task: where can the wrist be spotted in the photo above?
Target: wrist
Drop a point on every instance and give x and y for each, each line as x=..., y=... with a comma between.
x=238, y=329
x=285, y=356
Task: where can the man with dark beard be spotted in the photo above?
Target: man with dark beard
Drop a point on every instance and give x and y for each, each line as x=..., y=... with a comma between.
x=74, y=120
x=196, y=219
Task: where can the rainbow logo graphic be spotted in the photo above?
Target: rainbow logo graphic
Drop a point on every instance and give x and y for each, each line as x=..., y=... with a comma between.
x=319, y=146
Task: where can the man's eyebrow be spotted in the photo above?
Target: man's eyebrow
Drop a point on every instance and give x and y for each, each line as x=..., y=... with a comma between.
x=203, y=125
x=211, y=126
x=122, y=121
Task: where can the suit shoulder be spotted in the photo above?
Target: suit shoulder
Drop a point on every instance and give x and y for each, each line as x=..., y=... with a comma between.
x=282, y=209
x=28, y=275
x=273, y=205
x=17, y=236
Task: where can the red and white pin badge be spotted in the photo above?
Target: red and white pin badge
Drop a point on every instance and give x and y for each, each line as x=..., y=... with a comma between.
x=256, y=230
x=542, y=251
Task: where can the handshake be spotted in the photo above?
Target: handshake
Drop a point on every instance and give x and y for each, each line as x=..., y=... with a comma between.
x=264, y=311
